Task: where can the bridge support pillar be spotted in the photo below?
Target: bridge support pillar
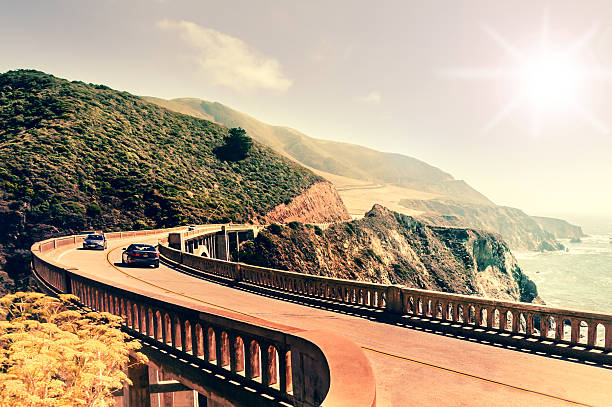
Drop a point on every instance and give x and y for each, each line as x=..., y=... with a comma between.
x=222, y=244
x=139, y=394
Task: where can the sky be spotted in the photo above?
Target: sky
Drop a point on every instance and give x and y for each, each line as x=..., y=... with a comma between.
x=513, y=97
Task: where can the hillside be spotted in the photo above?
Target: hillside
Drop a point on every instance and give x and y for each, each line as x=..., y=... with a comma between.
x=365, y=177
x=560, y=228
x=347, y=160
x=521, y=231
x=391, y=248
x=76, y=156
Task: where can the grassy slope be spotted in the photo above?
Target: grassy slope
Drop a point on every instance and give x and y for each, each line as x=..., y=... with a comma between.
x=75, y=156
x=348, y=160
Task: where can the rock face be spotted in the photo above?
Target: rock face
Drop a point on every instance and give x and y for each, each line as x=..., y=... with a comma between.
x=391, y=248
x=318, y=204
x=521, y=231
x=560, y=228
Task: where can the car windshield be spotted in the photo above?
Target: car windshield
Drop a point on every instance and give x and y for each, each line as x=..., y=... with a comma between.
x=142, y=248
x=95, y=237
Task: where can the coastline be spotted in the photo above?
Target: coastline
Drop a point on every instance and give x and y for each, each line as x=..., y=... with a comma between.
x=579, y=277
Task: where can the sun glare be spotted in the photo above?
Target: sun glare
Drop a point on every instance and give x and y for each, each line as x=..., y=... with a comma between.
x=550, y=82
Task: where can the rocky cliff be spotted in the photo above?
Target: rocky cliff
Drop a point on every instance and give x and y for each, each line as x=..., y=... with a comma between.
x=521, y=231
x=559, y=228
x=391, y=248
x=318, y=204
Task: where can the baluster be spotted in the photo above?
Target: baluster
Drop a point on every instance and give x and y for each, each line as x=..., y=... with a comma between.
x=135, y=319
x=233, y=352
x=194, y=337
x=173, y=331
x=183, y=331
x=223, y=345
x=529, y=323
x=559, y=327
x=268, y=362
x=253, y=366
x=156, y=327
x=516, y=321
x=218, y=350
x=459, y=315
x=209, y=344
x=478, y=314
x=543, y=325
x=592, y=333
x=149, y=322
x=285, y=374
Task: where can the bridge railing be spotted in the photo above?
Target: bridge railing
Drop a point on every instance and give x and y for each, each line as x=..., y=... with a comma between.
x=302, y=368
x=589, y=330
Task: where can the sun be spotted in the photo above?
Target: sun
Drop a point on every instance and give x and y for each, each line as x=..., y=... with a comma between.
x=548, y=81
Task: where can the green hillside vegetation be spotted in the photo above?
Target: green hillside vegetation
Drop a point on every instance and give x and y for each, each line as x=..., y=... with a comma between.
x=75, y=156
x=348, y=160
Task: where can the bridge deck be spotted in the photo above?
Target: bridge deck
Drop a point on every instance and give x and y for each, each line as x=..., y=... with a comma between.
x=412, y=367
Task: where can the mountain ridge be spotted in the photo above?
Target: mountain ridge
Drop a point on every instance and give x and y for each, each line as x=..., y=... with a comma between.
x=333, y=156
x=371, y=177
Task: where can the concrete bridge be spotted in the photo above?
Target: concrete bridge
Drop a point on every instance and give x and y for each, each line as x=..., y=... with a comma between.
x=245, y=335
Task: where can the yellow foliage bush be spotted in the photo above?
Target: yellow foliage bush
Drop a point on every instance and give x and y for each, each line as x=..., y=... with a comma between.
x=54, y=354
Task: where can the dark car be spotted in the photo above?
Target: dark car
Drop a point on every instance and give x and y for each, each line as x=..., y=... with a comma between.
x=95, y=241
x=140, y=254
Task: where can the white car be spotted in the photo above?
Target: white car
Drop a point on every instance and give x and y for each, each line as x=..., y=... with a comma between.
x=95, y=241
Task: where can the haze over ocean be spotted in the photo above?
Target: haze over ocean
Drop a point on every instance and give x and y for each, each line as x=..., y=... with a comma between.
x=580, y=277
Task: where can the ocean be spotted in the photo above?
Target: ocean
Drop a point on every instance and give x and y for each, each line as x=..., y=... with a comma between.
x=578, y=278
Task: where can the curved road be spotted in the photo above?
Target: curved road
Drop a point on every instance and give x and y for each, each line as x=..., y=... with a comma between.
x=412, y=367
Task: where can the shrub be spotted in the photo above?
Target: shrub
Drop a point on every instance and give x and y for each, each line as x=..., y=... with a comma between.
x=275, y=228
x=93, y=210
x=53, y=353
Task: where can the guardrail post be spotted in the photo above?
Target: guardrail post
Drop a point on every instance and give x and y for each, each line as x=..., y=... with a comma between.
x=395, y=302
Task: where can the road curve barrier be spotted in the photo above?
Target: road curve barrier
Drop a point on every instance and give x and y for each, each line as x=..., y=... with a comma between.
x=571, y=333
x=290, y=365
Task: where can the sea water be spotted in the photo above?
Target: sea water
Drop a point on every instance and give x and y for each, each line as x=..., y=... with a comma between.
x=579, y=277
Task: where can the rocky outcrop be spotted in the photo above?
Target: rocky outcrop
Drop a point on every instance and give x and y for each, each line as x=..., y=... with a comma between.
x=391, y=248
x=521, y=231
x=318, y=204
x=559, y=228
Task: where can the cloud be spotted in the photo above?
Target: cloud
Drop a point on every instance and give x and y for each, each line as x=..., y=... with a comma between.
x=228, y=60
x=372, y=97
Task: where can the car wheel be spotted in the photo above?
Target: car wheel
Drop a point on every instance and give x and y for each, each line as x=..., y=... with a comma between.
x=156, y=265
